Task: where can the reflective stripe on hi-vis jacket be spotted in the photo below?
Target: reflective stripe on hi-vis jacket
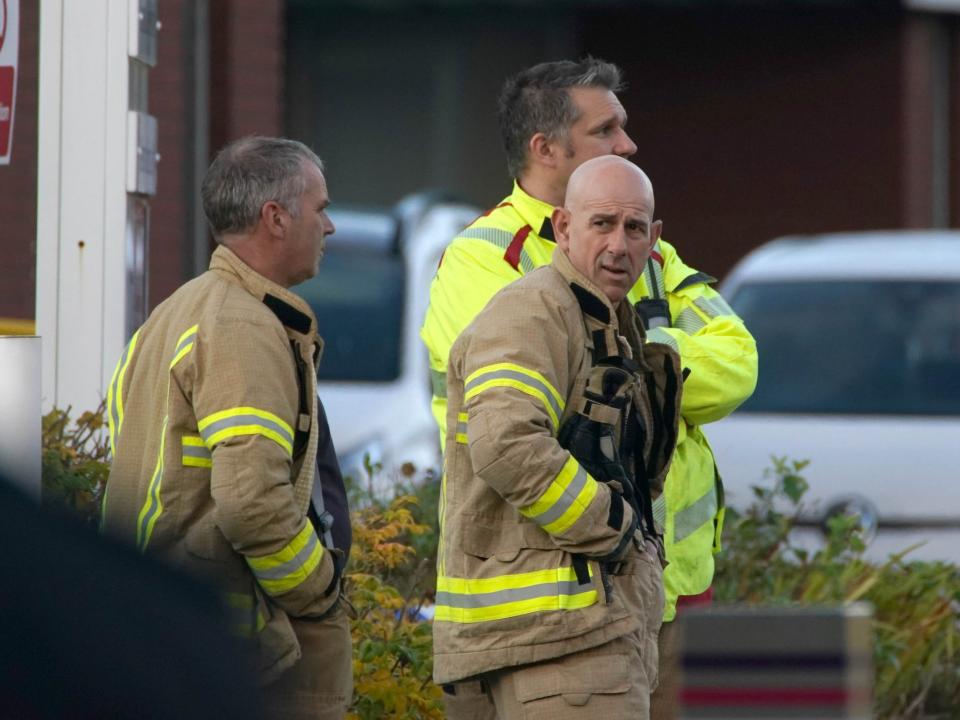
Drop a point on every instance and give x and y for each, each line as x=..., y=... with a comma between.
x=520, y=378
x=237, y=421
x=462, y=428
x=463, y=600
x=565, y=499
x=287, y=568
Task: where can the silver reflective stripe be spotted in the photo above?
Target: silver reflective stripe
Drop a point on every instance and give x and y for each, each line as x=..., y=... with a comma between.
x=565, y=501
x=292, y=565
x=689, y=322
x=237, y=420
x=500, y=238
x=183, y=343
x=438, y=381
x=660, y=511
x=714, y=306
x=501, y=597
x=462, y=428
x=196, y=451
x=520, y=377
x=653, y=276
x=693, y=517
x=659, y=335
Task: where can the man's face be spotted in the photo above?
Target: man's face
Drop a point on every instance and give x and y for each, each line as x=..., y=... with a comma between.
x=599, y=129
x=608, y=231
x=306, y=233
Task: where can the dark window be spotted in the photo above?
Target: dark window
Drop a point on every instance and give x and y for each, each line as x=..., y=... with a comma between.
x=358, y=300
x=855, y=346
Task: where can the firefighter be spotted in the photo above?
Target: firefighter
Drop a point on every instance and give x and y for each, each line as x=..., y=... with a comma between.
x=214, y=427
x=554, y=116
x=560, y=427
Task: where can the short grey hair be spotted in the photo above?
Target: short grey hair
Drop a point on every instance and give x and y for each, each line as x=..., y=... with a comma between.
x=536, y=100
x=250, y=172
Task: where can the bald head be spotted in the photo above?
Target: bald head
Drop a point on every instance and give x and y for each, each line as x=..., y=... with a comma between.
x=606, y=225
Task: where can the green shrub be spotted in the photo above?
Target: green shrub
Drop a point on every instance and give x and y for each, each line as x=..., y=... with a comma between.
x=75, y=462
x=916, y=604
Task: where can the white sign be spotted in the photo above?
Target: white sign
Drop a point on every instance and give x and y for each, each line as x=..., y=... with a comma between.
x=9, y=38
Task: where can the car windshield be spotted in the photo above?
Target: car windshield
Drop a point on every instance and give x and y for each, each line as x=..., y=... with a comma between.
x=358, y=300
x=854, y=346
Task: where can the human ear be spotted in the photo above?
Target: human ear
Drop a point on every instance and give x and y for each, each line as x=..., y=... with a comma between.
x=273, y=217
x=561, y=227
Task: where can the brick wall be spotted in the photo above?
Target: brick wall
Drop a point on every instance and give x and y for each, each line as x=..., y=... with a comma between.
x=18, y=182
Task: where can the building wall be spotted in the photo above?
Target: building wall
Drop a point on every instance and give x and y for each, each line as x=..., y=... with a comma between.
x=752, y=123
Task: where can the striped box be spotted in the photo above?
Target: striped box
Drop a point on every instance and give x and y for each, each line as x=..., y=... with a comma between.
x=765, y=662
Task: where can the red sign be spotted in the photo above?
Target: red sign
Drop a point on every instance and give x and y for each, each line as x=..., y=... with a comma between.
x=7, y=75
x=3, y=22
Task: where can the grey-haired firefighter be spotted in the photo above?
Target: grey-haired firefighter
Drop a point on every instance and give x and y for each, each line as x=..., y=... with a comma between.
x=560, y=428
x=215, y=426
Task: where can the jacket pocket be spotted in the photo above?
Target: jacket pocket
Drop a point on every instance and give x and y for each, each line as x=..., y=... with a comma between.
x=582, y=678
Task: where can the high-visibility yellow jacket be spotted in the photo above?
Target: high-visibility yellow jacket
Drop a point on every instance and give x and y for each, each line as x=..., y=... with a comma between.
x=522, y=520
x=213, y=425
x=713, y=343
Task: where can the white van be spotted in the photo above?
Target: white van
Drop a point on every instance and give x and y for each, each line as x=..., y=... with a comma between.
x=370, y=298
x=858, y=336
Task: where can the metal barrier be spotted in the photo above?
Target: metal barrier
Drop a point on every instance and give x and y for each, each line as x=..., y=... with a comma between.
x=750, y=662
x=20, y=418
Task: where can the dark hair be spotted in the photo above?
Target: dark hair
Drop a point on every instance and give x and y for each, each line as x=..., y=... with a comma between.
x=249, y=172
x=536, y=100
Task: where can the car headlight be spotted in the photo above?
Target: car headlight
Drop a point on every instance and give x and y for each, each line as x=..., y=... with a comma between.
x=858, y=506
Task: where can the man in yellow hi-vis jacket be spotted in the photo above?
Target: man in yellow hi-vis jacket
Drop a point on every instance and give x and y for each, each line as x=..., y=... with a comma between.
x=553, y=117
x=214, y=426
x=560, y=428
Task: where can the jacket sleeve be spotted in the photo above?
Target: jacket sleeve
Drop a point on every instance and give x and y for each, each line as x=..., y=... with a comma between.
x=516, y=366
x=712, y=341
x=245, y=398
x=471, y=272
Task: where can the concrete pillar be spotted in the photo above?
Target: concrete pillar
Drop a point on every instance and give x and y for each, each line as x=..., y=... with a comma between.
x=20, y=419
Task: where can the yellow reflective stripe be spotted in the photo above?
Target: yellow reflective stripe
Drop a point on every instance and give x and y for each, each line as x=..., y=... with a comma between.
x=184, y=345
x=290, y=566
x=234, y=422
x=565, y=500
x=462, y=428
x=520, y=378
x=467, y=600
x=195, y=452
x=153, y=505
x=115, y=392
x=242, y=619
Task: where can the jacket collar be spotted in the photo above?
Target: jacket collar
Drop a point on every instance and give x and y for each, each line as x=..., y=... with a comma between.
x=290, y=308
x=535, y=213
x=614, y=325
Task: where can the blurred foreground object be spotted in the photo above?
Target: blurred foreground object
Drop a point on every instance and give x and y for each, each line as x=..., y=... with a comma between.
x=775, y=662
x=90, y=629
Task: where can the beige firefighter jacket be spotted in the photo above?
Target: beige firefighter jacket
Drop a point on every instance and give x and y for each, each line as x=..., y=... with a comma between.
x=522, y=523
x=212, y=415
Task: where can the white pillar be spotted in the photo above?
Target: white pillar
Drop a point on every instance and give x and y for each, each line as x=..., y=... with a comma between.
x=20, y=419
x=96, y=161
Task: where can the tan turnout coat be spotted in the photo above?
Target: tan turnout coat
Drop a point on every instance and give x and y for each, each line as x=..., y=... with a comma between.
x=212, y=413
x=518, y=512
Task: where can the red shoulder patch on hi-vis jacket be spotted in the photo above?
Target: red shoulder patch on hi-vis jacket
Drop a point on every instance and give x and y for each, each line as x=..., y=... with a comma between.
x=512, y=255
